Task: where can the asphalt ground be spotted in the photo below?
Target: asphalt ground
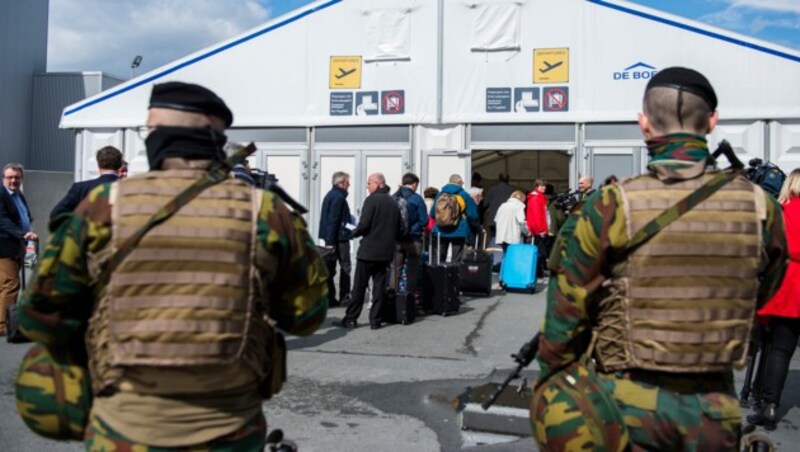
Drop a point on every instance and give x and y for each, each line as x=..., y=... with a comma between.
x=397, y=388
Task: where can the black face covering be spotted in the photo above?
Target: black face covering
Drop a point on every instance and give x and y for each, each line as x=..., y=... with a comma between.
x=193, y=143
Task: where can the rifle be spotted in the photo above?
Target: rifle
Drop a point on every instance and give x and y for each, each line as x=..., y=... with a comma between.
x=725, y=149
x=756, y=366
x=523, y=358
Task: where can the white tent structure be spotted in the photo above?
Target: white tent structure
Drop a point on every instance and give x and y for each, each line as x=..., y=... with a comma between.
x=532, y=87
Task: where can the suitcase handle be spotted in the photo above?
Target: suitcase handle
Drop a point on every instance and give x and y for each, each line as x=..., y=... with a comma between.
x=482, y=232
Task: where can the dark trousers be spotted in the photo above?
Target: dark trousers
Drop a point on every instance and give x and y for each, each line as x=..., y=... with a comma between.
x=543, y=245
x=341, y=255
x=785, y=332
x=456, y=242
x=409, y=252
x=366, y=270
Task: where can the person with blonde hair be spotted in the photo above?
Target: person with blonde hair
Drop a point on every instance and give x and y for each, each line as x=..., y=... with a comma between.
x=782, y=311
x=510, y=221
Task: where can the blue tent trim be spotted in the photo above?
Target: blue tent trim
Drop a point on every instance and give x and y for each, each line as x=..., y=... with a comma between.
x=699, y=31
x=208, y=54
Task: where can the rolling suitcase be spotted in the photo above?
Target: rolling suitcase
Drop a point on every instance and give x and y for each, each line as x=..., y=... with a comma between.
x=440, y=285
x=400, y=306
x=475, y=270
x=518, y=271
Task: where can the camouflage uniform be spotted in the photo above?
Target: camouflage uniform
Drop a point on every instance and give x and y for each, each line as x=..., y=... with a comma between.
x=661, y=410
x=57, y=308
x=101, y=437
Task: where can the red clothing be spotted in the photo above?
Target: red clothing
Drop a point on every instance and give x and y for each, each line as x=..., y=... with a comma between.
x=786, y=301
x=536, y=213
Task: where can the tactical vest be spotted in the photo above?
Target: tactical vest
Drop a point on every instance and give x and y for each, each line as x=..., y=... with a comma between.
x=188, y=296
x=685, y=300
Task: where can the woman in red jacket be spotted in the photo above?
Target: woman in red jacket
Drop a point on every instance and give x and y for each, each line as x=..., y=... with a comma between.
x=536, y=210
x=782, y=310
x=536, y=219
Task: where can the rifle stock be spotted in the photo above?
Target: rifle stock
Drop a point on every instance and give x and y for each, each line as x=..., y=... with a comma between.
x=523, y=358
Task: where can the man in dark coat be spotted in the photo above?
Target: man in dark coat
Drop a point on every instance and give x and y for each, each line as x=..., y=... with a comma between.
x=15, y=230
x=334, y=224
x=493, y=199
x=380, y=226
x=109, y=162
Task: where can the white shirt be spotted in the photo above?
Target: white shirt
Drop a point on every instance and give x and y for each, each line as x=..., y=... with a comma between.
x=510, y=222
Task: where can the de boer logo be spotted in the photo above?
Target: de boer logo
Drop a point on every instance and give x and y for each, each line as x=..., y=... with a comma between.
x=636, y=71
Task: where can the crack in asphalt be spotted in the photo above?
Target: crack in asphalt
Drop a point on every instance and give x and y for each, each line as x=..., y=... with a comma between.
x=469, y=348
x=345, y=352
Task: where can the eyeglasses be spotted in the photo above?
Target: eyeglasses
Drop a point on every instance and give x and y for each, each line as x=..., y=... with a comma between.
x=12, y=177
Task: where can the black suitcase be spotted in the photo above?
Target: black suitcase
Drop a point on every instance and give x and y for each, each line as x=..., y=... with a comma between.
x=399, y=308
x=475, y=270
x=440, y=286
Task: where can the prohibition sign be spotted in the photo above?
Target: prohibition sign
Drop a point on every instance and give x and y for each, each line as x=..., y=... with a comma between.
x=393, y=102
x=555, y=99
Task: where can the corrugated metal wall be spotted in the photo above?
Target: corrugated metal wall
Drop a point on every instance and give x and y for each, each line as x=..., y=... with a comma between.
x=23, y=52
x=53, y=149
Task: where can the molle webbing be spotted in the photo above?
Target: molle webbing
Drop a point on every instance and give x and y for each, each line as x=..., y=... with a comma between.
x=183, y=297
x=684, y=301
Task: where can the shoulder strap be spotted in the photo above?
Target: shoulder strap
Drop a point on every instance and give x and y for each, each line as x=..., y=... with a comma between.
x=677, y=210
x=217, y=172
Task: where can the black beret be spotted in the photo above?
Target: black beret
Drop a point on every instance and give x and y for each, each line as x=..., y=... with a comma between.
x=189, y=97
x=685, y=79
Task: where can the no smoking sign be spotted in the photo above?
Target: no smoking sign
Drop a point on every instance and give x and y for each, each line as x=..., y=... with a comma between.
x=555, y=99
x=393, y=102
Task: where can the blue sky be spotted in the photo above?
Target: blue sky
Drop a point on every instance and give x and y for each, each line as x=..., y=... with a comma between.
x=105, y=35
x=775, y=21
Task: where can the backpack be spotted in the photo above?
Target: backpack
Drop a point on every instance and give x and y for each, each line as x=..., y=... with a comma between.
x=402, y=204
x=448, y=210
x=769, y=177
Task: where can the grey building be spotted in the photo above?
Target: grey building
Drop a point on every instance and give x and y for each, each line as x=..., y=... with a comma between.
x=23, y=53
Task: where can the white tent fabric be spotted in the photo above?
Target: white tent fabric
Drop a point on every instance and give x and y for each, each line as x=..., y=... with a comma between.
x=388, y=34
x=496, y=26
x=603, y=51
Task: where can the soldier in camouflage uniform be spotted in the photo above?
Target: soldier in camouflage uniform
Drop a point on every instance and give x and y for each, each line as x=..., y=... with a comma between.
x=638, y=346
x=178, y=341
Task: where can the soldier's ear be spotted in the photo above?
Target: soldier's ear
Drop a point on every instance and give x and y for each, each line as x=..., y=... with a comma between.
x=712, y=121
x=644, y=126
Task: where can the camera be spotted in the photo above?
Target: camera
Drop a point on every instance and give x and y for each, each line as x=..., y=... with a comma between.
x=566, y=201
x=766, y=174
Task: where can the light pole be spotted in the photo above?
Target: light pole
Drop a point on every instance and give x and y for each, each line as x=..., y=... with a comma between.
x=137, y=60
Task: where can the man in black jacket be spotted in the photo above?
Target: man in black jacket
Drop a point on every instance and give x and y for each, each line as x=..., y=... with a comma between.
x=334, y=221
x=380, y=226
x=109, y=162
x=15, y=230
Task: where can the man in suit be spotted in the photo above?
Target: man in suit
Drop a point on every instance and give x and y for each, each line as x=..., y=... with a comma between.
x=109, y=162
x=334, y=223
x=15, y=230
x=379, y=224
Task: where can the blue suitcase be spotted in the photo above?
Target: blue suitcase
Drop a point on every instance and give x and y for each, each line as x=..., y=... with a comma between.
x=518, y=270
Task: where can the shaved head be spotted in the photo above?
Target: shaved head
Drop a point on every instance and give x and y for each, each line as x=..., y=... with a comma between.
x=661, y=107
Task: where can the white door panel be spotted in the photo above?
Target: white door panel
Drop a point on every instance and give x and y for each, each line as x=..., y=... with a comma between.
x=289, y=171
x=441, y=167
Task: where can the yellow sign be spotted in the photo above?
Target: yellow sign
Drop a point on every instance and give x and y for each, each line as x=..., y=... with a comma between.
x=551, y=65
x=345, y=72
